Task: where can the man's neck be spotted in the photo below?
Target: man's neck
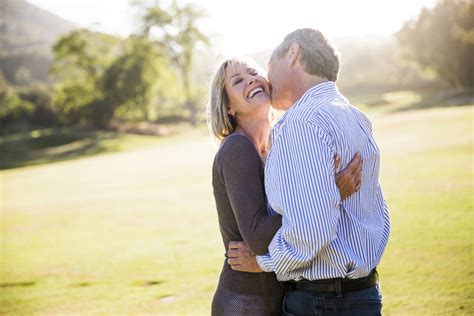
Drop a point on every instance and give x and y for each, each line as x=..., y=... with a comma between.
x=300, y=84
x=305, y=83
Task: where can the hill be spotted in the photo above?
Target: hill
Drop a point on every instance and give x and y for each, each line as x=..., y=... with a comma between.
x=26, y=36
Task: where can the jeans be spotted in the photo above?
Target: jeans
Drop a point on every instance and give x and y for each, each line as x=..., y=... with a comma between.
x=365, y=302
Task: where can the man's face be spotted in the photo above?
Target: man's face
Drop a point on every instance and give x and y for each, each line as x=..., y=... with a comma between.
x=279, y=77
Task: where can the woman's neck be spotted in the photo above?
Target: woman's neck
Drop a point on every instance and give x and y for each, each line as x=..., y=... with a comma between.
x=258, y=131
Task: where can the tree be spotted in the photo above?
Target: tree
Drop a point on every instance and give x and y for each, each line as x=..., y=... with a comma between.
x=175, y=29
x=12, y=107
x=442, y=40
x=130, y=81
x=100, y=78
x=80, y=60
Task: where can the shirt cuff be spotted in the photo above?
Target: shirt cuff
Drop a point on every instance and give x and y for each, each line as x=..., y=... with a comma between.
x=265, y=263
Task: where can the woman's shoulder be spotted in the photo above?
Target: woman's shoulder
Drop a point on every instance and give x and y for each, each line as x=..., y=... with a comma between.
x=236, y=146
x=237, y=142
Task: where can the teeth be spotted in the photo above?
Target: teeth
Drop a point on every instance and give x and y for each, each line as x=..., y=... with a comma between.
x=255, y=91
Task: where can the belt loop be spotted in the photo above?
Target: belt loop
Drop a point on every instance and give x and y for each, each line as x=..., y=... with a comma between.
x=338, y=288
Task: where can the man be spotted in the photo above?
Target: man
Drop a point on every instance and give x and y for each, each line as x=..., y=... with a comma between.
x=327, y=250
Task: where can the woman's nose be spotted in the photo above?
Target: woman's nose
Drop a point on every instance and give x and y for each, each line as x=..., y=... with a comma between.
x=251, y=80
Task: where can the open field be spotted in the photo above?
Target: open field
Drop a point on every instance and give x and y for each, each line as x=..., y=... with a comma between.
x=67, y=143
x=135, y=232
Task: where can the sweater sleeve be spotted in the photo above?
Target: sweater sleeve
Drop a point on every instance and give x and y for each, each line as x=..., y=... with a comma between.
x=239, y=169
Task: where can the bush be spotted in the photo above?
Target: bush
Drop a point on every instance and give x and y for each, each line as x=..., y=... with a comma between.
x=25, y=108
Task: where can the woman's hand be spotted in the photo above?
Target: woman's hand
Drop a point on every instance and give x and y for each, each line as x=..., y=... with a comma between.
x=241, y=258
x=349, y=180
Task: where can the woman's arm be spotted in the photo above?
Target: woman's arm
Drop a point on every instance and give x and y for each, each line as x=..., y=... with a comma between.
x=240, y=171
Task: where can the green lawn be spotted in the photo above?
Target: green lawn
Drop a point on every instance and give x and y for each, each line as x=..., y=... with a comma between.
x=60, y=144
x=135, y=231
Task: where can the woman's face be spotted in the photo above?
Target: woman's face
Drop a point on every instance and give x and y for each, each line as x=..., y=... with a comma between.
x=247, y=90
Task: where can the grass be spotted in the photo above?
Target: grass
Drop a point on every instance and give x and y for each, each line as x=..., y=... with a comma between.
x=408, y=100
x=135, y=232
x=60, y=144
x=427, y=175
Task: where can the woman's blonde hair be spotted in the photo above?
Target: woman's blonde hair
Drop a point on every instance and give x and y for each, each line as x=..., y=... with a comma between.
x=220, y=122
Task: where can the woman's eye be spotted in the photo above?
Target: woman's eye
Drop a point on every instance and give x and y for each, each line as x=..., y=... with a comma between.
x=237, y=81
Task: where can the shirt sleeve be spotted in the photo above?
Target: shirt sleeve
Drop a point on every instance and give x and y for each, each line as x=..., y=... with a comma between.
x=308, y=195
x=240, y=171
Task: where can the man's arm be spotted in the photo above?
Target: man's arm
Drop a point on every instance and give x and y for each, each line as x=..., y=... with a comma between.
x=348, y=182
x=308, y=195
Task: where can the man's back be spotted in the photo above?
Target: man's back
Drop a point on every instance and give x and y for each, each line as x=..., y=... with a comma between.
x=322, y=238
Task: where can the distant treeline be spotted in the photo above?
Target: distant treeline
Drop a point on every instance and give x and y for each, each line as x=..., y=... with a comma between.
x=95, y=79
x=436, y=49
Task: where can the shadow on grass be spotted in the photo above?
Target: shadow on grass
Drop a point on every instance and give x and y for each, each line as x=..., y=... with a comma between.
x=408, y=100
x=82, y=284
x=446, y=98
x=148, y=283
x=52, y=145
x=17, y=284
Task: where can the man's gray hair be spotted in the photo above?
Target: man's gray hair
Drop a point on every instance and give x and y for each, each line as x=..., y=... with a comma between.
x=318, y=56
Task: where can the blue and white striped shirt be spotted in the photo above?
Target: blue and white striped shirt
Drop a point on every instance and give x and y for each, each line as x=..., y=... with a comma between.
x=322, y=237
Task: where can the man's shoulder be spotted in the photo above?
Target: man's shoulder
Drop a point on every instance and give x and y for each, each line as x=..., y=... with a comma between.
x=334, y=109
x=329, y=115
x=315, y=110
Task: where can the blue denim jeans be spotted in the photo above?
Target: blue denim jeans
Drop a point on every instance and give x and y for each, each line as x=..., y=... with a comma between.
x=365, y=302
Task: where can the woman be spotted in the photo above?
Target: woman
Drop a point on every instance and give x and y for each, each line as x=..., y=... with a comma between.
x=238, y=110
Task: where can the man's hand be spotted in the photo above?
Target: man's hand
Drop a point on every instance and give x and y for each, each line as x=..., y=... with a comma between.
x=241, y=258
x=349, y=180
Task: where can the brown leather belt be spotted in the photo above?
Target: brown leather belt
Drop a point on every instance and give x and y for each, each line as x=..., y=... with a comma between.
x=338, y=285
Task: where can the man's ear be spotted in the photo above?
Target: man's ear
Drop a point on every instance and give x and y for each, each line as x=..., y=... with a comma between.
x=293, y=53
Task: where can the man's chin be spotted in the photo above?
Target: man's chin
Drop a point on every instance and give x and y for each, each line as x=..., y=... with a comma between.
x=278, y=104
x=275, y=102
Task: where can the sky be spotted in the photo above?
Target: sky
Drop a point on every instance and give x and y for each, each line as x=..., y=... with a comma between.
x=248, y=26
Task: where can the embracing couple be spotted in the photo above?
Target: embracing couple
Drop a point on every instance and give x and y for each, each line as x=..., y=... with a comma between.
x=300, y=208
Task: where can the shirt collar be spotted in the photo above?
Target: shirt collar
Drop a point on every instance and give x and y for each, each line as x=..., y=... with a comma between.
x=320, y=90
